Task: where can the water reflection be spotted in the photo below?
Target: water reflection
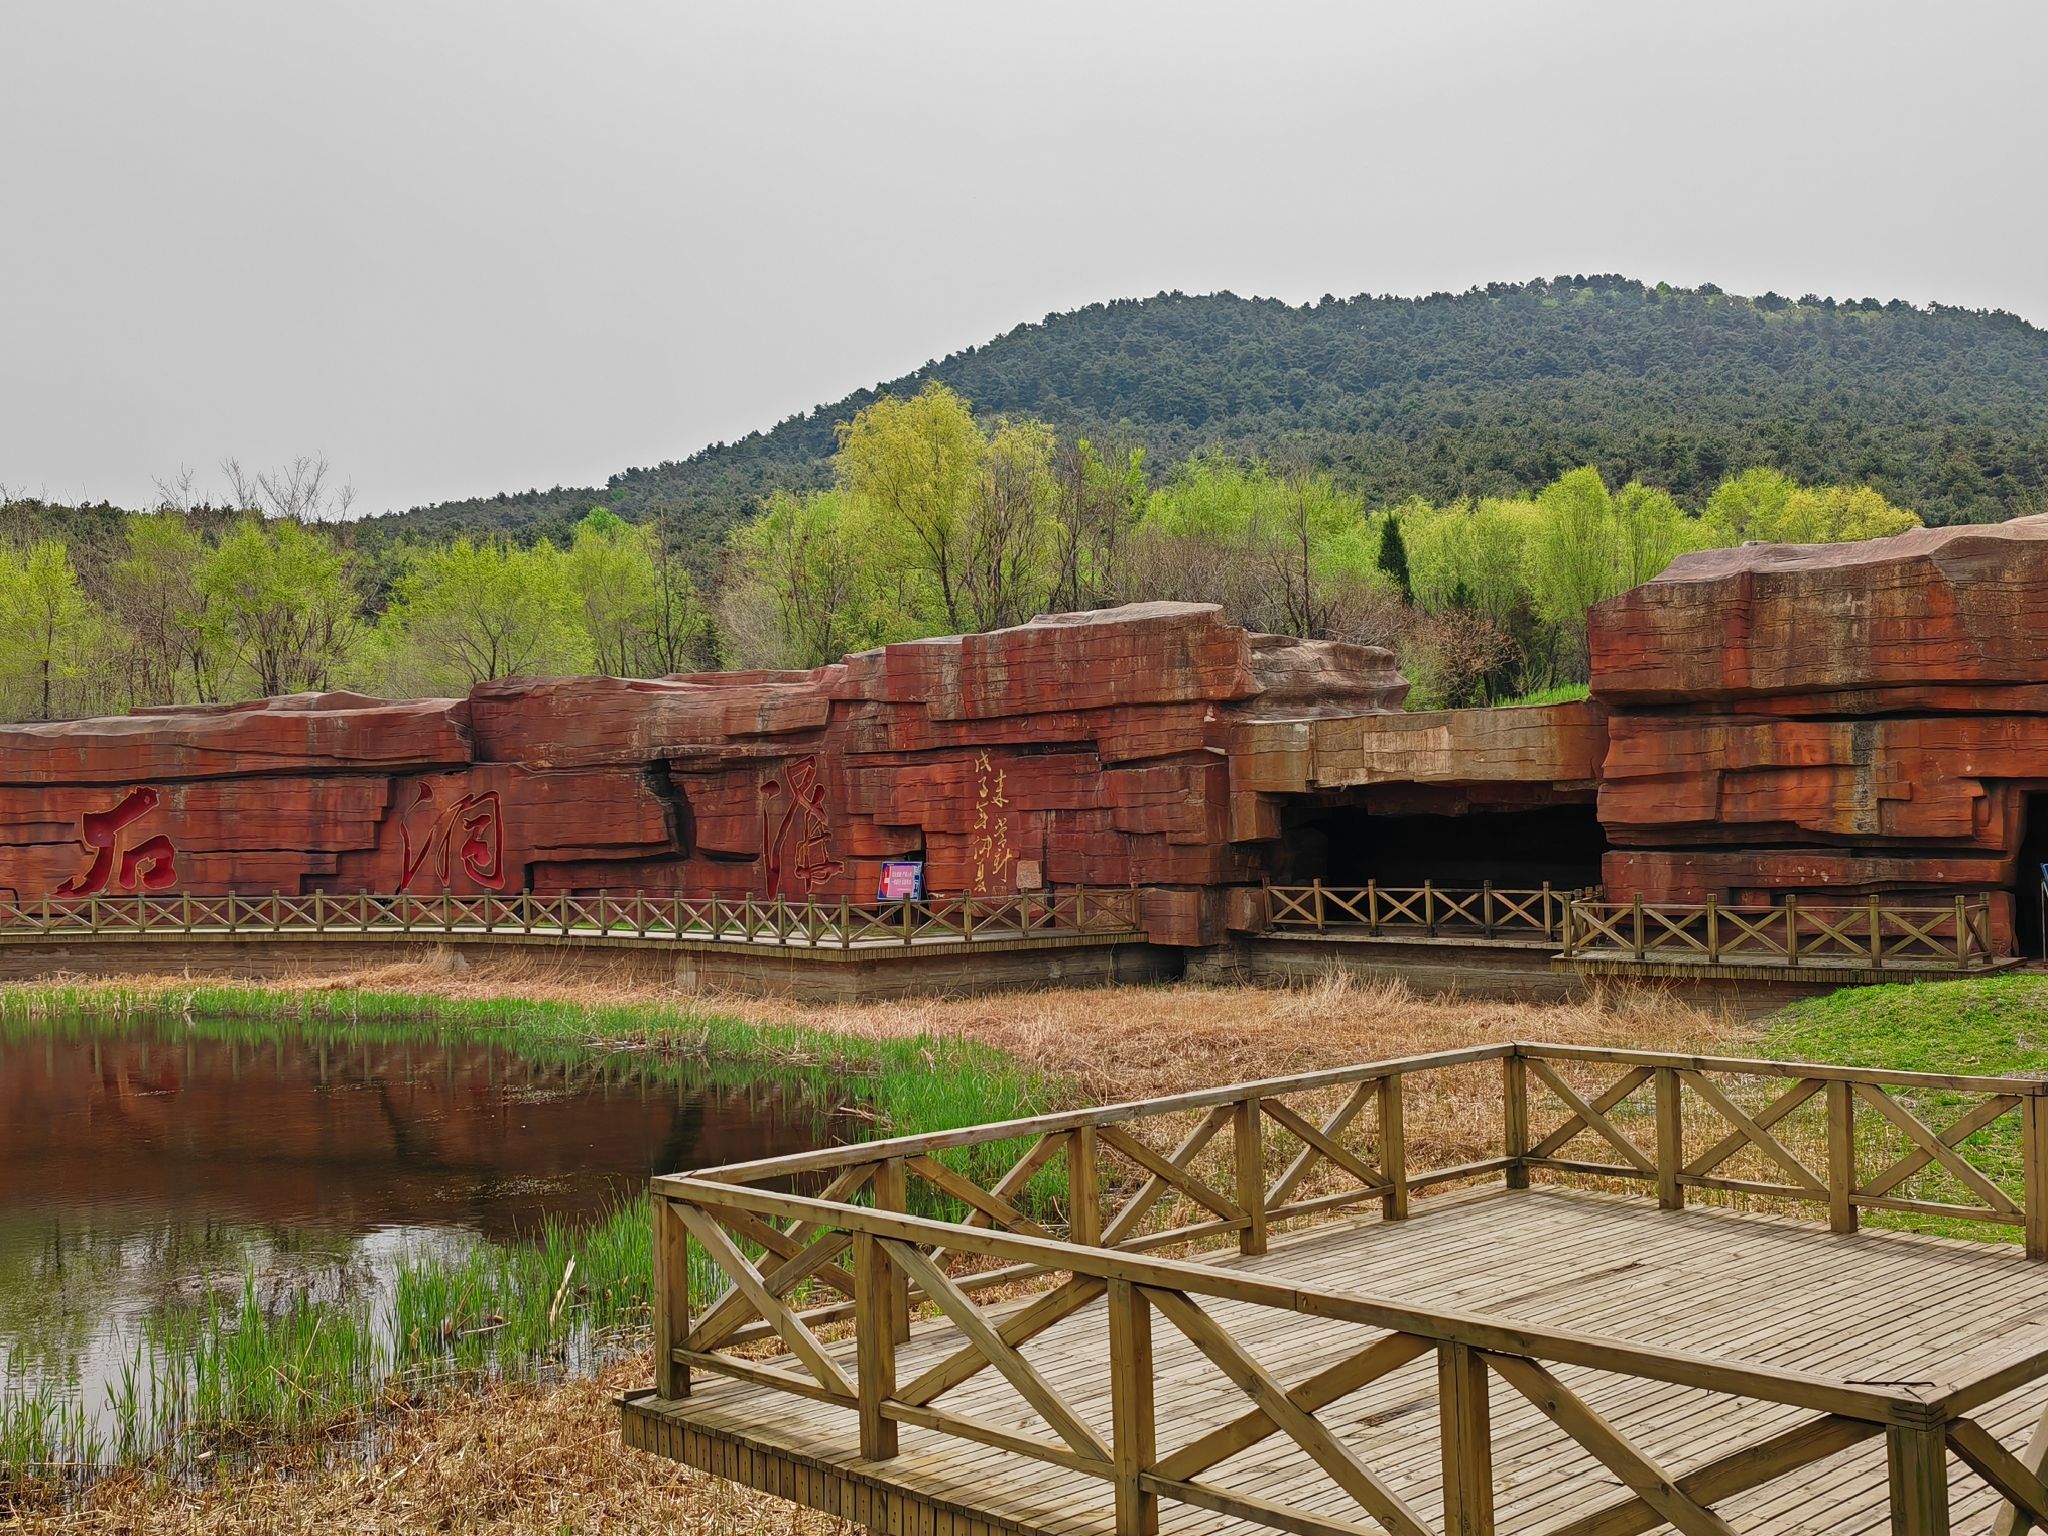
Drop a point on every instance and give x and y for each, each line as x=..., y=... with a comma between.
x=143, y=1163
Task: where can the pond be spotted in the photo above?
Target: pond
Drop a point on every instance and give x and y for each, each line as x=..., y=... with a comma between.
x=202, y=1222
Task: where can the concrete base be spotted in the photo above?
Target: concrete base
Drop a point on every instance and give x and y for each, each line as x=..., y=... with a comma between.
x=863, y=973
x=1514, y=969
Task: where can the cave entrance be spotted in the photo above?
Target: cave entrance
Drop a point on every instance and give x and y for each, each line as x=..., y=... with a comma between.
x=2033, y=855
x=1349, y=843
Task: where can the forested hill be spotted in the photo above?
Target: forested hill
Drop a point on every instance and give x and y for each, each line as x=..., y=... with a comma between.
x=1492, y=391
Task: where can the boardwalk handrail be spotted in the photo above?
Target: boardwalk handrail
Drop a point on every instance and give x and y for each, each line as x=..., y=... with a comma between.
x=1486, y=909
x=640, y=915
x=1876, y=932
x=1106, y=1243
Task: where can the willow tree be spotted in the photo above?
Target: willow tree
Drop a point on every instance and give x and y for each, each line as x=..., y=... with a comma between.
x=918, y=463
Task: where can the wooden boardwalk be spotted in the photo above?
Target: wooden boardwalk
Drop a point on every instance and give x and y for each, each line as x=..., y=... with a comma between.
x=1890, y=1308
x=1501, y=1358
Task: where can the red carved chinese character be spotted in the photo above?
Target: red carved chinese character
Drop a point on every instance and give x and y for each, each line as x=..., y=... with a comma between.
x=471, y=831
x=150, y=865
x=805, y=831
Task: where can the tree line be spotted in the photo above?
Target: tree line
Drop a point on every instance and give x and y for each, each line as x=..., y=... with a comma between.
x=934, y=522
x=200, y=603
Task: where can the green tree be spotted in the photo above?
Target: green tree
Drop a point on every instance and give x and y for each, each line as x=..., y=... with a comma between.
x=1098, y=500
x=918, y=462
x=155, y=583
x=1573, y=559
x=1651, y=530
x=1005, y=569
x=466, y=613
x=47, y=623
x=1746, y=504
x=794, y=582
x=280, y=603
x=1393, y=556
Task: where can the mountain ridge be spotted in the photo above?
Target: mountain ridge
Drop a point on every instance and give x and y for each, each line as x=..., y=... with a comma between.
x=1486, y=392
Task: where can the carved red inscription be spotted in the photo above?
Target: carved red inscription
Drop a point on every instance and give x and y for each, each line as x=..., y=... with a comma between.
x=797, y=845
x=469, y=831
x=149, y=865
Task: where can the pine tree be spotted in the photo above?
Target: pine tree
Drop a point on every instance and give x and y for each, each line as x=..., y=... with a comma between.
x=1394, y=555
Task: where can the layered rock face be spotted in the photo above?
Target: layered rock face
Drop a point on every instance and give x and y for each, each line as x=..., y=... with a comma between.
x=1854, y=719
x=1084, y=748
x=1862, y=718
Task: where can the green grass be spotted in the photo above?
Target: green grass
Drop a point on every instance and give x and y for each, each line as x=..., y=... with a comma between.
x=210, y=1374
x=1994, y=1026
x=1564, y=693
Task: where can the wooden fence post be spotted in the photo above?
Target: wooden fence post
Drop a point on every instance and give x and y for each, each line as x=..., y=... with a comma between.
x=1515, y=1117
x=1248, y=1134
x=1393, y=1150
x=1467, y=1433
x=1713, y=931
x=1429, y=907
x=1917, y=1458
x=892, y=1193
x=1550, y=929
x=1670, y=1139
x=1638, y=905
x=845, y=921
x=1316, y=889
x=1842, y=1156
x=1486, y=908
x=1134, y=1438
x=671, y=1299
x=1372, y=908
x=1791, y=927
x=1084, y=1188
x=1962, y=937
x=1876, y=934
x=874, y=1346
x=2034, y=1173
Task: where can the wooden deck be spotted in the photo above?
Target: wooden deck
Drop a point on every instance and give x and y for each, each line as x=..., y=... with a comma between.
x=1554, y=1360
x=1887, y=1308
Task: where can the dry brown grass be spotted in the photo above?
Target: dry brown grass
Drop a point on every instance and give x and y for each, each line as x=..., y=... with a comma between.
x=547, y=1459
x=512, y=1461
x=1112, y=1043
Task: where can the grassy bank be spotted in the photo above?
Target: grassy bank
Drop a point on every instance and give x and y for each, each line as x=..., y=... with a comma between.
x=225, y=1372
x=1994, y=1026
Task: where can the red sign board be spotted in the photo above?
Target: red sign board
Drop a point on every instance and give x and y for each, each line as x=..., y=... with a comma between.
x=901, y=880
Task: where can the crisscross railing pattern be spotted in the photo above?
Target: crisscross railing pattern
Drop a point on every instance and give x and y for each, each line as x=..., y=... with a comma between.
x=1087, y=1202
x=1876, y=932
x=842, y=924
x=1486, y=910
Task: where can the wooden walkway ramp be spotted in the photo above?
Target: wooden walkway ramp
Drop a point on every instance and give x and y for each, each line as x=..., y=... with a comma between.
x=1497, y=1359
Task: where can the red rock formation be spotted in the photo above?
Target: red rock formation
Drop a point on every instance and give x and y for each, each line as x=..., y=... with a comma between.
x=1848, y=719
x=1079, y=748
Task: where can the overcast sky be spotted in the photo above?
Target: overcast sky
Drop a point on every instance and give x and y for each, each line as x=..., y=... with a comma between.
x=470, y=248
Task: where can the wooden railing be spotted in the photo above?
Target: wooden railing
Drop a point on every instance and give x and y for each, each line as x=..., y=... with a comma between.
x=1875, y=932
x=1078, y=1199
x=639, y=915
x=1487, y=910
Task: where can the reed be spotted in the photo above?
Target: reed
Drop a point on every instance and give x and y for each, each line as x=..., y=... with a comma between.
x=215, y=1376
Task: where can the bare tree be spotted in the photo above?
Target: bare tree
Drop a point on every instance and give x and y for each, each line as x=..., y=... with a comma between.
x=299, y=489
